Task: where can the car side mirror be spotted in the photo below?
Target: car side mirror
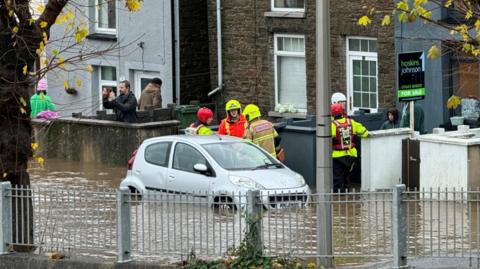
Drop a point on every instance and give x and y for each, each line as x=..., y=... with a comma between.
x=200, y=168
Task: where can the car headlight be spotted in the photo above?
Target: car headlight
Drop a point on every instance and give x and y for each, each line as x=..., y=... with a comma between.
x=300, y=179
x=245, y=182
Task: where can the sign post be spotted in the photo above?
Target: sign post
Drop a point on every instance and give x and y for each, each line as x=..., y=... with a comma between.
x=411, y=80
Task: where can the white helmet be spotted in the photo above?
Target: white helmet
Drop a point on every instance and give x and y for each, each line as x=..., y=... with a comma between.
x=338, y=97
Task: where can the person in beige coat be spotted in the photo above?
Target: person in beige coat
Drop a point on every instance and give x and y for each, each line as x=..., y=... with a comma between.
x=151, y=95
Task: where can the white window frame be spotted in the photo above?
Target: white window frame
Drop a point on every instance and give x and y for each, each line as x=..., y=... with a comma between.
x=138, y=75
x=110, y=31
x=277, y=53
x=355, y=55
x=272, y=2
x=105, y=83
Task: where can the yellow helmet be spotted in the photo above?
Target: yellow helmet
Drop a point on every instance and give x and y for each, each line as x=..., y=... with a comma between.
x=251, y=112
x=233, y=104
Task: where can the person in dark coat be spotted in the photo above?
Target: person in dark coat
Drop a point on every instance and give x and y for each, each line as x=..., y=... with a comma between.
x=125, y=105
x=392, y=121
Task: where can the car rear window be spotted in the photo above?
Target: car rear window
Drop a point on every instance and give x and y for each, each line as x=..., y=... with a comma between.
x=158, y=153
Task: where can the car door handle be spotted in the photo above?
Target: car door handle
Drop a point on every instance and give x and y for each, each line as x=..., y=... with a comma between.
x=138, y=171
x=171, y=177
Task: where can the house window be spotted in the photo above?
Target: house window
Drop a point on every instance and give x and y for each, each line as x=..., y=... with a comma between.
x=362, y=74
x=105, y=16
x=142, y=78
x=290, y=75
x=288, y=5
x=107, y=76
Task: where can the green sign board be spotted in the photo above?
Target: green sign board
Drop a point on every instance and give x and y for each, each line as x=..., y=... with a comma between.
x=411, y=76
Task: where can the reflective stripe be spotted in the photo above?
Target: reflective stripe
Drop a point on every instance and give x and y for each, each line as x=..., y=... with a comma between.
x=262, y=138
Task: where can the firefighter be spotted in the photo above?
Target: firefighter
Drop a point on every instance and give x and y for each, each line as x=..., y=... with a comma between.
x=260, y=132
x=201, y=127
x=344, y=153
x=235, y=123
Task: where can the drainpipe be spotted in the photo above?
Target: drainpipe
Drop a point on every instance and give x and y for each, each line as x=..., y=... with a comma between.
x=219, y=50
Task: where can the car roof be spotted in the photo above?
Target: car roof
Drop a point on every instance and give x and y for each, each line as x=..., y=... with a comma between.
x=197, y=139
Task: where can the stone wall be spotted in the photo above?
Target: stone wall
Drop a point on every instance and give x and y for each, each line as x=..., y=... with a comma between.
x=247, y=40
x=194, y=51
x=90, y=140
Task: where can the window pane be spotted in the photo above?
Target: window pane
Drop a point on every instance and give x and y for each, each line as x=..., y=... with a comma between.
x=357, y=86
x=106, y=14
x=185, y=157
x=354, y=44
x=158, y=154
x=365, y=84
x=292, y=81
x=373, y=85
x=357, y=67
x=372, y=46
x=363, y=45
x=365, y=68
x=108, y=73
x=373, y=101
x=144, y=82
x=373, y=68
x=292, y=44
x=365, y=100
x=357, y=102
x=289, y=3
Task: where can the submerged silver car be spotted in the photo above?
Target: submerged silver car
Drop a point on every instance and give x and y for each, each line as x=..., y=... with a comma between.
x=223, y=166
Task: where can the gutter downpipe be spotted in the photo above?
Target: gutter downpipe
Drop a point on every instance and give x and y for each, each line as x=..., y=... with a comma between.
x=219, y=50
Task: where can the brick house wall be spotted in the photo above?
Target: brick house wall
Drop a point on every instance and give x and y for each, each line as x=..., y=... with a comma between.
x=194, y=51
x=248, y=28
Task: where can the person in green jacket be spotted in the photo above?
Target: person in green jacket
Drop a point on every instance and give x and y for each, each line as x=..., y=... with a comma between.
x=418, y=117
x=40, y=101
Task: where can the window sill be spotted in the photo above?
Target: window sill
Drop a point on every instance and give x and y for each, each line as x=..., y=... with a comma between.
x=285, y=14
x=103, y=37
x=298, y=115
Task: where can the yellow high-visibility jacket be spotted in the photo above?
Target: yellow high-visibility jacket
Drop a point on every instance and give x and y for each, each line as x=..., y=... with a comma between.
x=357, y=129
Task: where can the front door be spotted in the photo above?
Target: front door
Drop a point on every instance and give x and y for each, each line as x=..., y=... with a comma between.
x=362, y=84
x=182, y=178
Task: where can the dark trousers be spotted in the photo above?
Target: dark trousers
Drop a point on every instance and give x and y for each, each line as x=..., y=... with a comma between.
x=342, y=170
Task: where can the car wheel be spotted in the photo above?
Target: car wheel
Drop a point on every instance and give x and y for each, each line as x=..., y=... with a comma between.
x=135, y=194
x=224, y=203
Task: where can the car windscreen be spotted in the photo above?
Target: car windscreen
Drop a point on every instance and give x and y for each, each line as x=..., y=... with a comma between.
x=240, y=156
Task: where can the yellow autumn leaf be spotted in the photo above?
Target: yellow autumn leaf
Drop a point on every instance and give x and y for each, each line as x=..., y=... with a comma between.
x=65, y=84
x=448, y=3
x=469, y=14
x=34, y=146
x=15, y=29
x=433, y=52
x=44, y=61
x=81, y=33
x=40, y=49
x=25, y=69
x=453, y=102
x=10, y=13
x=386, y=20
x=402, y=5
x=364, y=21
x=61, y=62
x=23, y=111
x=70, y=15
x=23, y=102
x=403, y=17
x=40, y=8
x=133, y=5
x=78, y=82
x=43, y=24
x=89, y=68
x=40, y=161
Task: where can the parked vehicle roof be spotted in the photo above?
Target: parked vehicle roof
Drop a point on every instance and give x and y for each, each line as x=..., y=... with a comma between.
x=197, y=139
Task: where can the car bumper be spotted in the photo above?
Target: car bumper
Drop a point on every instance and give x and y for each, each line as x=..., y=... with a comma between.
x=278, y=198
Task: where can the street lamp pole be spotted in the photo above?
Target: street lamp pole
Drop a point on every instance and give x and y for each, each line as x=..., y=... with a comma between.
x=324, y=138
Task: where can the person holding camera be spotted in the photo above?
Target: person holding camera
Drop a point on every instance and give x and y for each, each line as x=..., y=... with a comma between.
x=125, y=105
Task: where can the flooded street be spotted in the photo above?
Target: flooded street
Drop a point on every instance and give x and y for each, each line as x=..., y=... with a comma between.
x=75, y=210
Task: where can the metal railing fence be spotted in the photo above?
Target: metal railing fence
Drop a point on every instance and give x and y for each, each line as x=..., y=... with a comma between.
x=366, y=224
